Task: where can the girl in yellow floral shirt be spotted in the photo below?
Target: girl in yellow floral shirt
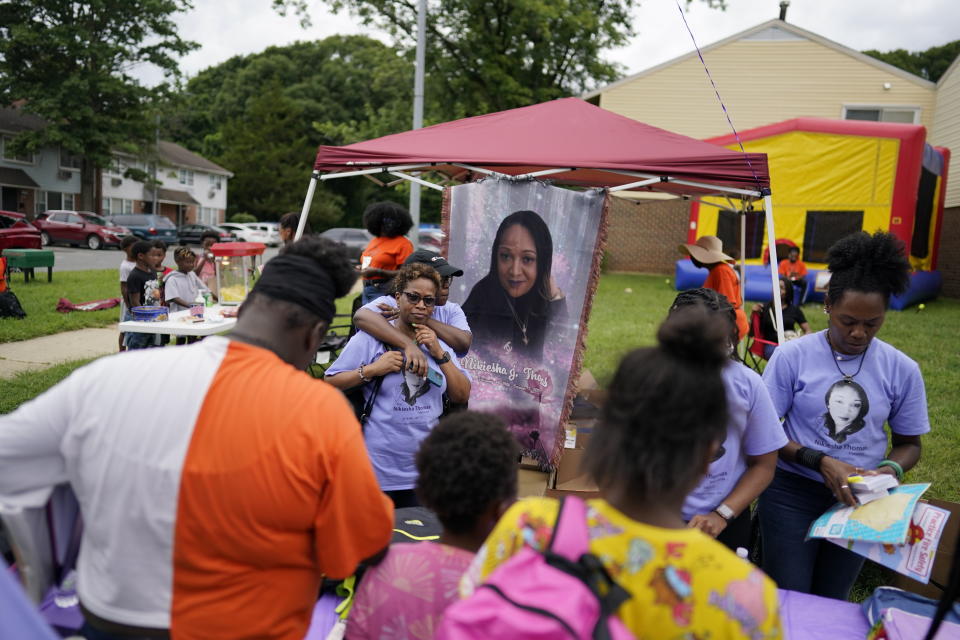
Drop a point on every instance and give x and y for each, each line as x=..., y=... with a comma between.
x=664, y=418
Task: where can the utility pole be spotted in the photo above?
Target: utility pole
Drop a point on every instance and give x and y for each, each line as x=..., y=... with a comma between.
x=418, y=112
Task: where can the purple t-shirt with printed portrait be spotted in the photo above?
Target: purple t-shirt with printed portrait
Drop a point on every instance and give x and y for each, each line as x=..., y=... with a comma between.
x=844, y=418
x=407, y=407
x=753, y=429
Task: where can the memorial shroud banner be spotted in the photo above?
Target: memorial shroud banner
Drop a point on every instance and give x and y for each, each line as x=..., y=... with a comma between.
x=531, y=254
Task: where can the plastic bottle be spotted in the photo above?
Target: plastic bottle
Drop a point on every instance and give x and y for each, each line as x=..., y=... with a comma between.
x=207, y=299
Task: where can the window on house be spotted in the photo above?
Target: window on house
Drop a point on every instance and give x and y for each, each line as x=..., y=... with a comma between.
x=216, y=182
x=115, y=168
x=823, y=228
x=728, y=230
x=186, y=177
x=6, y=143
x=69, y=160
x=208, y=215
x=904, y=115
x=69, y=201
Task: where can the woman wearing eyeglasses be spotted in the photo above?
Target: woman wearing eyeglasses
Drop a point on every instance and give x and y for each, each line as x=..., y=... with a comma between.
x=406, y=406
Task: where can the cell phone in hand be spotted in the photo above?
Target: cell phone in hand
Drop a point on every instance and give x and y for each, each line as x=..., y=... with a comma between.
x=434, y=377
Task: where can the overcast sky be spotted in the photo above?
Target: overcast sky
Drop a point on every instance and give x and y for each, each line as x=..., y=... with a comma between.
x=226, y=29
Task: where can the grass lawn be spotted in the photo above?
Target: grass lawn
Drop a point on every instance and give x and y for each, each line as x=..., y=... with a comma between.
x=39, y=299
x=625, y=314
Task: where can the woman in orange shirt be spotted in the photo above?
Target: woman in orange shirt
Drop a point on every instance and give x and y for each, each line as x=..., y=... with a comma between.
x=708, y=253
x=384, y=255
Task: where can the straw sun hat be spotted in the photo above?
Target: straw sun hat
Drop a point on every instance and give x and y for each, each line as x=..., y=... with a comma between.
x=706, y=250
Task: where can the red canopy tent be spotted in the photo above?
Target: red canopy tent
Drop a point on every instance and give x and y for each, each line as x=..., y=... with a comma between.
x=571, y=141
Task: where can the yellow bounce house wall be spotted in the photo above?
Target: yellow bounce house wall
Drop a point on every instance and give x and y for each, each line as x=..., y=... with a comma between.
x=822, y=172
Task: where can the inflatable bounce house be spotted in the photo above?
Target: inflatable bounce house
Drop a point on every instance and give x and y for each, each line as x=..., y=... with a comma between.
x=830, y=178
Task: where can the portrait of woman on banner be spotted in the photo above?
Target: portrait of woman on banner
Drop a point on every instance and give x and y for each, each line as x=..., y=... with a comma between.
x=511, y=307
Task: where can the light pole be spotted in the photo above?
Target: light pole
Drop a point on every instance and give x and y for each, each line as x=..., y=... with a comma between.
x=418, y=112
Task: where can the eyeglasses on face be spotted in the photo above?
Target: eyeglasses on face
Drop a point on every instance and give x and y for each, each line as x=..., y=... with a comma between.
x=415, y=298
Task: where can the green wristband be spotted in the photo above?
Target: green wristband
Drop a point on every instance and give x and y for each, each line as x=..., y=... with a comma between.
x=893, y=464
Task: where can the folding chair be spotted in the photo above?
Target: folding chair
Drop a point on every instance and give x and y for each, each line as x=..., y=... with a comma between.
x=338, y=334
x=754, y=354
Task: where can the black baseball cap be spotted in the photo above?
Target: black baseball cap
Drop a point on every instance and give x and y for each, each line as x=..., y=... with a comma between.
x=435, y=260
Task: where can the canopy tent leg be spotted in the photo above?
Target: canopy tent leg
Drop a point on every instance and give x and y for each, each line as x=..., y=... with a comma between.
x=743, y=254
x=306, y=205
x=774, y=276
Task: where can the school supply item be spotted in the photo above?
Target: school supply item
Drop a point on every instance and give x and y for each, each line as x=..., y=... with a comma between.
x=886, y=520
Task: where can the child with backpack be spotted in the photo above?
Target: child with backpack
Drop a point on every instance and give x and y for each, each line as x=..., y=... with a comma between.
x=639, y=569
x=468, y=477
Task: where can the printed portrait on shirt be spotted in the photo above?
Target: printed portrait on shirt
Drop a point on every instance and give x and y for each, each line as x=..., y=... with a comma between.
x=412, y=387
x=847, y=407
x=530, y=256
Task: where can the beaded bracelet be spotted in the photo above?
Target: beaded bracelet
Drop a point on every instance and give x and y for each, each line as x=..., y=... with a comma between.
x=893, y=464
x=363, y=378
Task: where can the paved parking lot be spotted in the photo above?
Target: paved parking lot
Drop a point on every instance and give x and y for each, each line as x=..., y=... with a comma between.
x=75, y=259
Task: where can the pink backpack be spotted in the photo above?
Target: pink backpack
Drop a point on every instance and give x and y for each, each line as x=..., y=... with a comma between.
x=563, y=592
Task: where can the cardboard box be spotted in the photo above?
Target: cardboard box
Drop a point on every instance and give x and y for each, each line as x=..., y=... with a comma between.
x=531, y=482
x=946, y=550
x=570, y=476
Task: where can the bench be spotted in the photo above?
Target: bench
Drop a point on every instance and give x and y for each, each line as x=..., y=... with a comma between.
x=28, y=259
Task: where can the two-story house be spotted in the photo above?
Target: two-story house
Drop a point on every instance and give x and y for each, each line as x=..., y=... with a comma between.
x=34, y=182
x=191, y=188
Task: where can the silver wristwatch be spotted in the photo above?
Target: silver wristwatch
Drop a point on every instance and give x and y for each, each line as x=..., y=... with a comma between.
x=725, y=512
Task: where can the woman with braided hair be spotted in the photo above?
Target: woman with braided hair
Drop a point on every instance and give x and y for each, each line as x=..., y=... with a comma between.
x=835, y=390
x=743, y=464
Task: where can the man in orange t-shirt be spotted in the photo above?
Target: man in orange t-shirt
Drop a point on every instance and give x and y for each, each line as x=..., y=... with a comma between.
x=385, y=254
x=219, y=515
x=707, y=252
x=794, y=270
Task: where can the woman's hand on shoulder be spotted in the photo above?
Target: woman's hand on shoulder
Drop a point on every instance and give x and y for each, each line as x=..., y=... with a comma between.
x=555, y=292
x=388, y=362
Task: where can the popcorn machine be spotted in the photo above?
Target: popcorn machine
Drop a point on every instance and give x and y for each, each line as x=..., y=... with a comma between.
x=238, y=267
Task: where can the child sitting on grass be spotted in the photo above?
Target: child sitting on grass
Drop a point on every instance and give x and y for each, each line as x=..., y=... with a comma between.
x=180, y=287
x=468, y=476
x=126, y=266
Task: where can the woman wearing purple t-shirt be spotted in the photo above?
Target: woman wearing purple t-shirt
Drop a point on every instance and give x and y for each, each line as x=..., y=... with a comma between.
x=835, y=390
x=744, y=463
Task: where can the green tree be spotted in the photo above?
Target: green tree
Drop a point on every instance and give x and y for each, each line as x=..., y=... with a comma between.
x=491, y=55
x=341, y=89
x=69, y=62
x=929, y=64
x=271, y=157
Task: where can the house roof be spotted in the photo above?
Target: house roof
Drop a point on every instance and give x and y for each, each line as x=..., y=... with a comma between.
x=16, y=178
x=591, y=147
x=951, y=69
x=14, y=120
x=169, y=195
x=787, y=28
x=172, y=153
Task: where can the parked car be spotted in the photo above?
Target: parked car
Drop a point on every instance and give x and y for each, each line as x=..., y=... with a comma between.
x=147, y=226
x=431, y=239
x=81, y=228
x=192, y=233
x=271, y=229
x=245, y=232
x=356, y=240
x=17, y=233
